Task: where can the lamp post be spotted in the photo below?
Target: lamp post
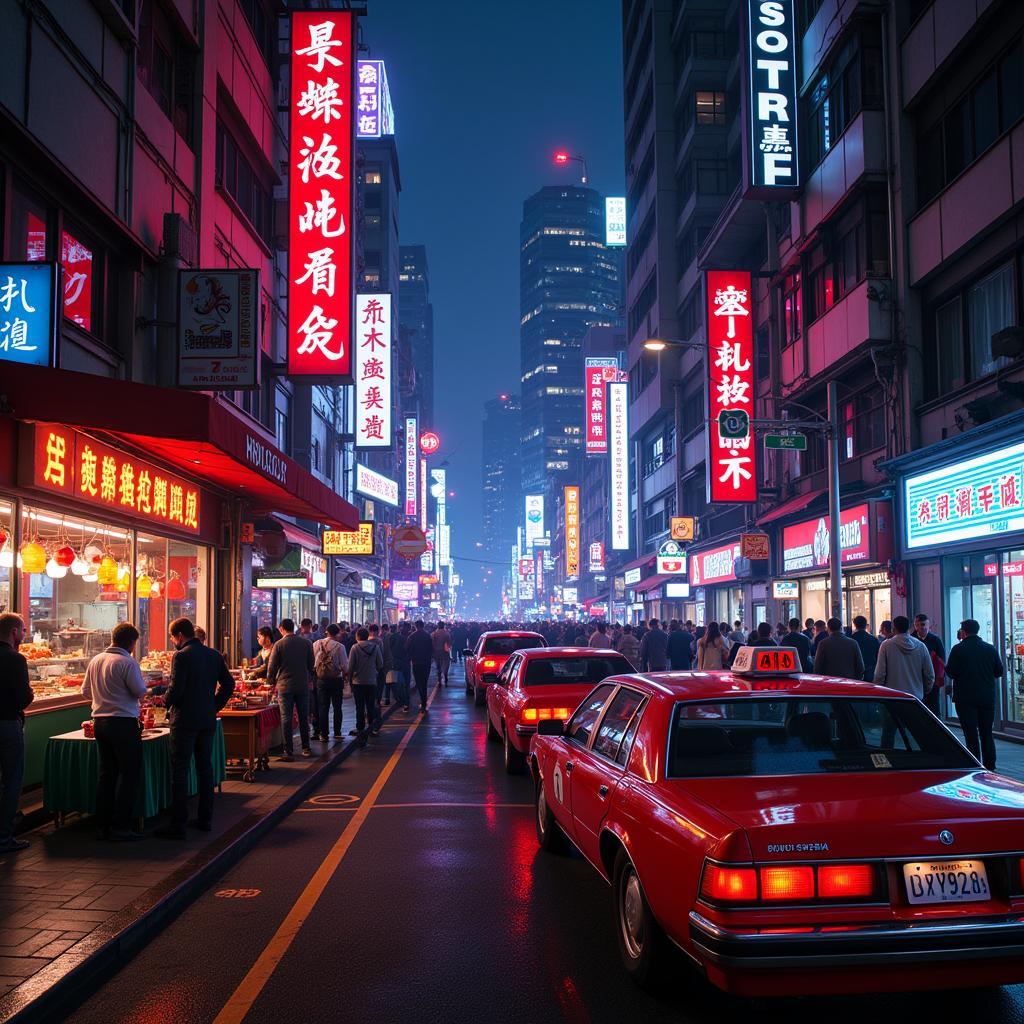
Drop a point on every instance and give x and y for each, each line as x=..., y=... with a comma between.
x=562, y=158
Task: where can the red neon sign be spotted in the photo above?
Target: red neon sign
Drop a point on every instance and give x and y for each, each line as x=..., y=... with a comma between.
x=320, y=195
x=732, y=461
x=429, y=442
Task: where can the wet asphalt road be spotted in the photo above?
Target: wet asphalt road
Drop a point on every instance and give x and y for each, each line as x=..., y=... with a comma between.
x=441, y=909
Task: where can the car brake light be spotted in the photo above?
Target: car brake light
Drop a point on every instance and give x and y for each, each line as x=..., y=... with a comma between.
x=562, y=713
x=529, y=714
x=489, y=663
x=787, y=883
x=732, y=884
x=845, y=881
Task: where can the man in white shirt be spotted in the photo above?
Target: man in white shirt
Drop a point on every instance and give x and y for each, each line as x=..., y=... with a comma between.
x=114, y=684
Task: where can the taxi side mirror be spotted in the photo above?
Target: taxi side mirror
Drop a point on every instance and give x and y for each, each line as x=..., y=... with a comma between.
x=551, y=727
x=466, y=652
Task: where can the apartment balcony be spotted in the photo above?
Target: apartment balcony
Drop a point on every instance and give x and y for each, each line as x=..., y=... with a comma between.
x=969, y=207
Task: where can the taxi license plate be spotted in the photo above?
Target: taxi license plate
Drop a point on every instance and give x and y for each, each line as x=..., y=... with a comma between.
x=950, y=881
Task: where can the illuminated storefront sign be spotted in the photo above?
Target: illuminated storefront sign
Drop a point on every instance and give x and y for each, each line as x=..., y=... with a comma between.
x=315, y=568
x=732, y=453
x=28, y=331
x=615, y=220
x=444, y=540
x=618, y=448
x=69, y=463
x=785, y=590
x=534, y=513
x=407, y=591
x=715, y=566
x=774, y=161
x=806, y=545
x=632, y=576
x=411, y=465
x=598, y=371
x=218, y=329
x=570, y=595
x=349, y=542
x=572, y=531
x=596, y=561
x=373, y=371
x=677, y=590
x=376, y=486
x=671, y=559
x=430, y=443
x=320, y=195
x=375, y=115
x=423, y=496
x=978, y=497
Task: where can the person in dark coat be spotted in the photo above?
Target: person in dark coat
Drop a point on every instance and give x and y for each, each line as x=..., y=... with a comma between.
x=836, y=654
x=974, y=666
x=760, y=637
x=796, y=638
x=289, y=670
x=868, y=644
x=678, y=647
x=15, y=695
x=654, y=649
x=200, y=687
x=420, y=649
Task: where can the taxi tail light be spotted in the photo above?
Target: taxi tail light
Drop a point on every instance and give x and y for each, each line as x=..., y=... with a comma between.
x=544, y=714
x=845, y=881
x=724, y=884
x=787, y=883
x=489, y=663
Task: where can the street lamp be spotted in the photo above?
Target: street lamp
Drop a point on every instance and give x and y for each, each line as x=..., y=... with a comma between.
x=562, y=158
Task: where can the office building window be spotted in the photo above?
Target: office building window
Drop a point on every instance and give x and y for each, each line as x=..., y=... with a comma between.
x=166, y=66
x=710, y=107
x=373, y=175
x=235, y=174
x=263, y=26
x=283, y=420
x=792, y=316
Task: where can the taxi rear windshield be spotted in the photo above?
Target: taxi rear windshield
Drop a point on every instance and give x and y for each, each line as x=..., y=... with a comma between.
x=508, y=644
x=573, y=671
x=779, y=736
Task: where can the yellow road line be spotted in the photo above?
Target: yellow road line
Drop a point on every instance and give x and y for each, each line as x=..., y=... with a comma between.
x=242, y=999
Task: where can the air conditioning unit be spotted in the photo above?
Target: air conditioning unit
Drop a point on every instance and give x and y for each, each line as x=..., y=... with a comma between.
x=1008, y=342
x=180, y=239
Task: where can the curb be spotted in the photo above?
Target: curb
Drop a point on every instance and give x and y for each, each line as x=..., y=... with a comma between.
x=91, y=967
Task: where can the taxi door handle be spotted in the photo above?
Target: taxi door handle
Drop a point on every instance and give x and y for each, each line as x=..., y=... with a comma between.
x=568, y=767
x=602, y=790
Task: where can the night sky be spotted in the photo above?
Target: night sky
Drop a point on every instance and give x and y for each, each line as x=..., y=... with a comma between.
x=483, y=95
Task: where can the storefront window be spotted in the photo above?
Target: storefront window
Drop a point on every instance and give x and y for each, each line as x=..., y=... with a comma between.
x=78, y=267
x=27, y=239
x=261, y=610
x=7, y=555
x=170, y=581
x=298, y=605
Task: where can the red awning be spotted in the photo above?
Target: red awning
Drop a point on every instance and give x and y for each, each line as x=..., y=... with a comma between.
x=190, y=430
x=797, y=504
x=656, y=581
x=638, y=562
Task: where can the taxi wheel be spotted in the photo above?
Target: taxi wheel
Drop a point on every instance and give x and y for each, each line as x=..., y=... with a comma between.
x=550, y=836
x=642, y=943
x=515, y=760
x=480, y=696
x=492, y=733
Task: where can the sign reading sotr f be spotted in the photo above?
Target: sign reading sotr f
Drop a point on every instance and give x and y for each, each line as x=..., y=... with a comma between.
x=732, y=459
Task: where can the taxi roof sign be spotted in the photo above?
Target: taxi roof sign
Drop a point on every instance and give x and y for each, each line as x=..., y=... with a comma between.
x=766, y=661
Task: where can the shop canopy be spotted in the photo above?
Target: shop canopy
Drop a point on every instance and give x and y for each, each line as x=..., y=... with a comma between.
x=638, y=563
x=656, y=581
x=791, y=507
x=188, y=429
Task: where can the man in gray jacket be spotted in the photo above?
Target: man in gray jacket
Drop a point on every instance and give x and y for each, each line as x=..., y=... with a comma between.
x=904, y=662
x=365, y=661
x=290, y=669
x=838, y=654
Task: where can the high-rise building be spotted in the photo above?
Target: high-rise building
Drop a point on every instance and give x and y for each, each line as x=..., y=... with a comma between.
x=416, y=316
x=502, y=486
x=569, y=281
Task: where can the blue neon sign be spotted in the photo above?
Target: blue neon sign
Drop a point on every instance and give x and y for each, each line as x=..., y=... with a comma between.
x=27, y=313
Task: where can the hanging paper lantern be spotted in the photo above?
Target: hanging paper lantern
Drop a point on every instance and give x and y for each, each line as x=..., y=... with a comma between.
x=33, y=557
x=64, y=556
x=175, y=589
x=107, y=571
x=93, y=554
x=144, y=586
x=3, y=538
x=55, y=570
x=80, y=567
x=123, y=580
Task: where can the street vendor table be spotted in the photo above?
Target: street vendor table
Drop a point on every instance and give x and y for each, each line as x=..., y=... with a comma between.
x=249, y=733
x=71, y=768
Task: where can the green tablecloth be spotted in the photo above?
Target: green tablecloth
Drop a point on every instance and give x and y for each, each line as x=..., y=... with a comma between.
x=71, y=768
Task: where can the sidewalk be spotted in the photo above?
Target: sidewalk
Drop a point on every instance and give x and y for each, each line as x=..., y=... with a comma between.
x=70, y=905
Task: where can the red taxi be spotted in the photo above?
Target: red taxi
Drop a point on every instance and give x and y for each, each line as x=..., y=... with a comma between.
x=492, y=650
x=791, y=834
x=541, y=684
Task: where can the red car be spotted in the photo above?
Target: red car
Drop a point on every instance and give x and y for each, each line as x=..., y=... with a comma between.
x=791, y=834
x=492, y=650
x=541, y=684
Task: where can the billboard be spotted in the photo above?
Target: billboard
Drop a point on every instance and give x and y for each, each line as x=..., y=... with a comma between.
x=806, y=545
x=771, y=71
x=373, y=371
x=572, y=531
x=411, y=465
x=407, y=591
x=320, y=195
x=371, y=484
x=618, y=453
x=615, y=220
x=717, y=565
x=349, y=542
x=596, y=562
x=534, y=518
x=598, y=371
x=375, y=115
x=732, y=453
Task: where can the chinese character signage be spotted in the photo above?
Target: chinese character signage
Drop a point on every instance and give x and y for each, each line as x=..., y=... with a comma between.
x=423, y=495
x=411, y=464
x=615, y=220
x=373, y=371
x=774, y=164
x=572, y=532
x=371, y=484
x=69, y=463
x=596, y=562
x=349, y=542
x=374, y=114
x=28, y=321
x=806, y=545
x=534, y=513
x=732, y=461
x=320, y=195
x=218, y=330
x=979, y=497
x=755, y=546
x=598, y=371
x=715, y=566
x=406, y=591
x=618, y=453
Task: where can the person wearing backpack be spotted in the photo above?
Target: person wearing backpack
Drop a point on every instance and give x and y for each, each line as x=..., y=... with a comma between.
x=365, y=663
x=330, y=663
